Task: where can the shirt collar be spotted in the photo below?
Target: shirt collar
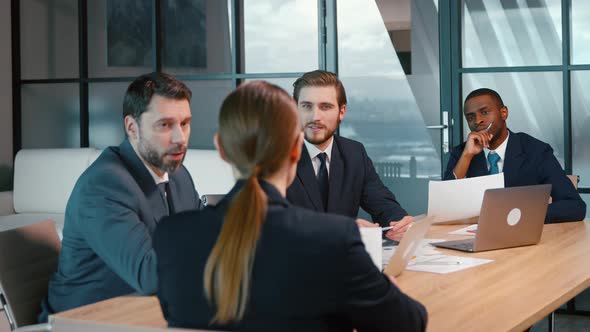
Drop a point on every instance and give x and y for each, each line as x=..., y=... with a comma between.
x=500, y=150
x=314, y=151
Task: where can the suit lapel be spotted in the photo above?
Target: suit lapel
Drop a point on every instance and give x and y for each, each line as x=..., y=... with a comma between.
x=145, y=181
x=513, y=159
x=479, y=166
x=336, y=175
x=306, y=175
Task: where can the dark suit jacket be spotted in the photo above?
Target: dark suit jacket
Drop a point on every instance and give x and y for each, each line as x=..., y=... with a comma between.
x=529, y=161
x=311, y=273
x=107, y=237
x=354, y=183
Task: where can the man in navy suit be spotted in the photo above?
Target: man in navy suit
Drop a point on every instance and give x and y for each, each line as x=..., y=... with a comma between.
x=335, y=174
x=117, y=202
x=491, y=148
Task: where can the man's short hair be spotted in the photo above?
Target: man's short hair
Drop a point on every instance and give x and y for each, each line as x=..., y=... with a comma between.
x=486, y=92
x=320, y=78
x=140, y=92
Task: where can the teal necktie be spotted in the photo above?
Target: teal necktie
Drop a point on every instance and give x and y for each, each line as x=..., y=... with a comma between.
x=493, y=159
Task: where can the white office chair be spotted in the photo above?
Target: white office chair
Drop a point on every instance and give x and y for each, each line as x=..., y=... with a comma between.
x=28, y=257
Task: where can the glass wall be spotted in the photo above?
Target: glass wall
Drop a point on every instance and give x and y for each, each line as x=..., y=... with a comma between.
x=388, y=62
x=196, y=43
x=388, y=59
x=511, y=33
x=280, y=36
x=49, y=48
x=538, y=61
x=534, y=101
x=581, y=126
x=50, y=116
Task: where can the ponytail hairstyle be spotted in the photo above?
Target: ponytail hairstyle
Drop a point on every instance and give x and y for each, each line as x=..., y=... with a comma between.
x=258, y=126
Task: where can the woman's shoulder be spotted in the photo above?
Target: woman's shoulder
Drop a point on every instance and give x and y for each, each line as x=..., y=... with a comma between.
x=189, y=223
x=317, y=224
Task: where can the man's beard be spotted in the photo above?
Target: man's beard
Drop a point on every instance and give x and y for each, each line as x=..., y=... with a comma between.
x=320, y=140
x=152, y=157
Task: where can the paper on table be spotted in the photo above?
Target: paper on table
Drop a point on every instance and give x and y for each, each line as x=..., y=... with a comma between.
x=445, y=263
x=424, y=249
x=371, y=237
x=460, y=199
x=469, y=230
x=428, y=259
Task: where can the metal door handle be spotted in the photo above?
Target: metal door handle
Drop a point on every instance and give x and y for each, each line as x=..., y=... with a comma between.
x=443, y=126
x=445, y=131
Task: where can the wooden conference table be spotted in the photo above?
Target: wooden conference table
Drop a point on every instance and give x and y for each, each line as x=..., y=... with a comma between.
x=520, y=287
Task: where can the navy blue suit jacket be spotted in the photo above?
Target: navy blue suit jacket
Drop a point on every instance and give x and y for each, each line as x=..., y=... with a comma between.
x=310, y=273
x=354, y=183
x=107, y=238
x=529, y=161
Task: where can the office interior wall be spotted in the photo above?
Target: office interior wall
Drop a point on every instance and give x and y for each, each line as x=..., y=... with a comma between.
x=5, y=98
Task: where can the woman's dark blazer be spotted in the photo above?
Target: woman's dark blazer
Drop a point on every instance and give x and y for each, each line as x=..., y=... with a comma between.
x=307, y=275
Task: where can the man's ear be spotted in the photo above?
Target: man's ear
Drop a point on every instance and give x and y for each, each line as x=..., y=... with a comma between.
x=504, y=113
x=342, y=112
x=295, y=153
x=217, y=143
x=131, y=127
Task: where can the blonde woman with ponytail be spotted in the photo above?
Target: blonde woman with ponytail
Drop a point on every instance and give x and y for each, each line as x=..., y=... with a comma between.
x=254, y=262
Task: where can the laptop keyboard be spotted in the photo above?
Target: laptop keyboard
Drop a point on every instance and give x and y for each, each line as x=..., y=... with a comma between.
x=466, y=246
x=463, y=245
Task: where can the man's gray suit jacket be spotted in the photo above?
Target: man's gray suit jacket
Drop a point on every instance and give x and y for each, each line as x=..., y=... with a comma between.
x=107, y=238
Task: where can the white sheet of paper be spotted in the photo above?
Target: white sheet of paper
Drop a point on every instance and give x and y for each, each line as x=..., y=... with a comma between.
x=371, y=237
x=445, y=263
x=460, y=199
x=425, y=249
x=469, y=230
x=429, y=259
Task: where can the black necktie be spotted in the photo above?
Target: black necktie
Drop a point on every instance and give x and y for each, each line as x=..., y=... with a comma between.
x=164, y=191
x=323, y=181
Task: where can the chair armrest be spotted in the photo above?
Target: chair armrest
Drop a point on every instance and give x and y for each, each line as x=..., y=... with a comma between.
x=6, y=203
x=43, y=327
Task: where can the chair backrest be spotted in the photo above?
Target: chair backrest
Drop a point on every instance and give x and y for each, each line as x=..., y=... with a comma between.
x=28, y=257
x=575, y=180
x=210, y=173
x=44, y=178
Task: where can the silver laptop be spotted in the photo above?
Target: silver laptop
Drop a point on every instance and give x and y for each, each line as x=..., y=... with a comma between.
x=509, y=217
x=408, y=245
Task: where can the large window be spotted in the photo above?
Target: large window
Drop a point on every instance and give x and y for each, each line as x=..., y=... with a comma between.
x=78, y=57
x=536, y=55
x=388, y=60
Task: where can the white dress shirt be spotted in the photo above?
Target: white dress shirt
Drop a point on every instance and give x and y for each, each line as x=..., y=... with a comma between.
x=501, y=151
x=313, y=154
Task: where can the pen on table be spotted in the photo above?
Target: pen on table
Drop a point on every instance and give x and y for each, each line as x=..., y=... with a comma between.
x=438, y=263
